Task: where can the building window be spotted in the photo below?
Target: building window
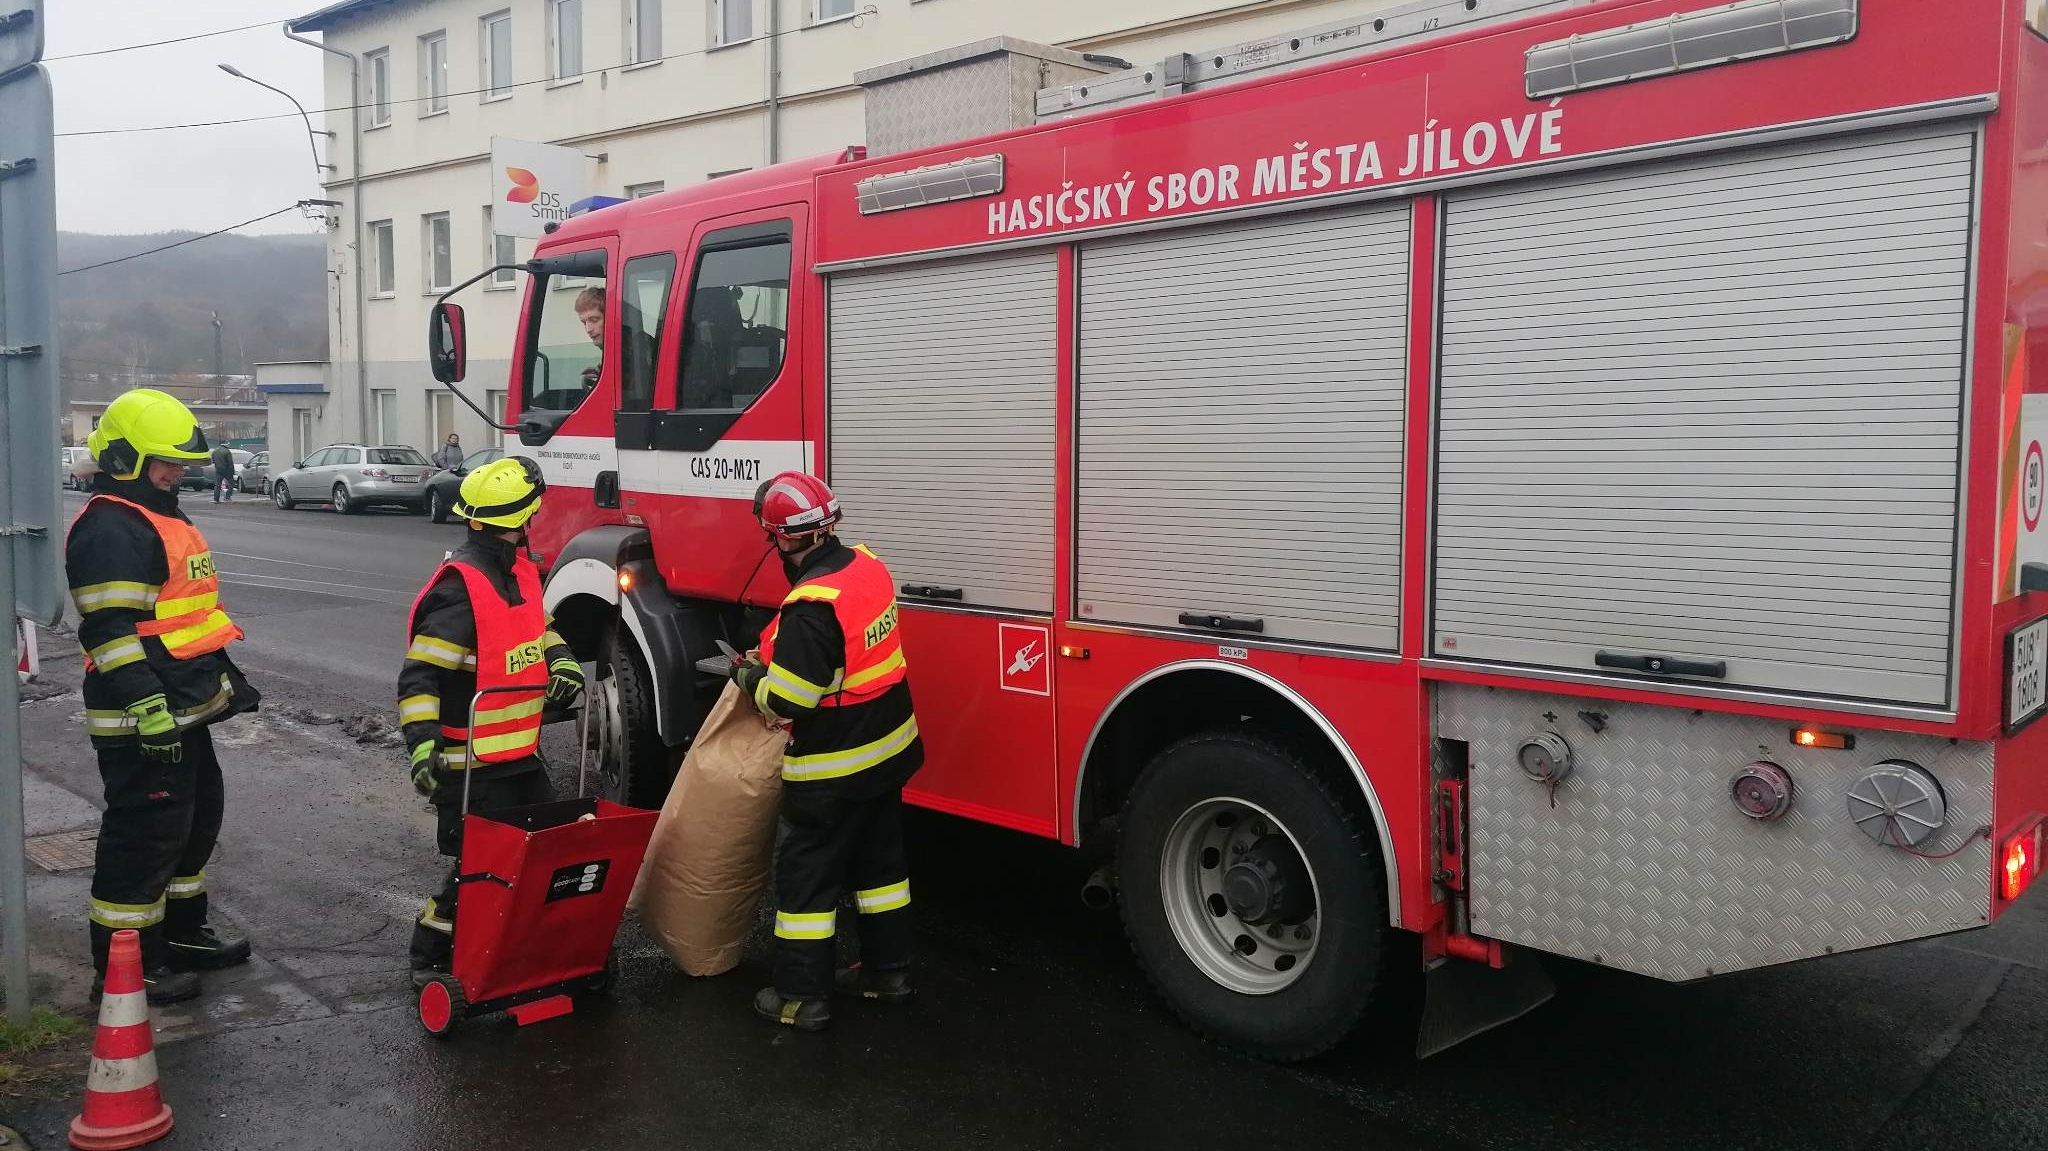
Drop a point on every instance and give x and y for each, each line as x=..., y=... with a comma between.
x=643, y=31
x=302, y=433
x=823, y=10
x=385, y=405
x=384, y=274
x=502, y=252
x=380, y=87
x=434, y=73
x=439, y=261
x=732, y=21
x=641, y=191
x=565, y=38
x=494, y=403
x=440, y=416
x=496, y=36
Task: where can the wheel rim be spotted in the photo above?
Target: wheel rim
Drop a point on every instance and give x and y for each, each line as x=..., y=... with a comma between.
x=340, y=498
x=607, y=738
x=437, y=1009
x=280, y=496
x=433, y=504
x=1239, y=897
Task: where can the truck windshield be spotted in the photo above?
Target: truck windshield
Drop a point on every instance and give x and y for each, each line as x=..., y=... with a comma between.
x=569, y=347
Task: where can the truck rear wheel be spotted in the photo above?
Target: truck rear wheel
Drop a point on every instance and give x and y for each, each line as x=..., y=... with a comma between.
x=633, y=761
x=1251, y=897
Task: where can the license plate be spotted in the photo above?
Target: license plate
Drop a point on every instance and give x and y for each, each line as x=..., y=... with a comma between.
x=2026, y=671
x=406, y=479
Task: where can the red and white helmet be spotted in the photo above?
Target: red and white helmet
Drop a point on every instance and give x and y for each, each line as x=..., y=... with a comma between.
x=795, y=504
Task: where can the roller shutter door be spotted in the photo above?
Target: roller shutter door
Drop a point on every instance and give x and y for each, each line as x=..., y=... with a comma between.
x=941, y=423
x=1242, y=394
x=1710, y=410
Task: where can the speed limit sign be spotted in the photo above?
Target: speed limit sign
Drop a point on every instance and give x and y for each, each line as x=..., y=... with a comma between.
x=2032, y=481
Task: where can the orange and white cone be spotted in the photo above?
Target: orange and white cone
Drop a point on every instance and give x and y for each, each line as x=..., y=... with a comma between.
x=122, y=1106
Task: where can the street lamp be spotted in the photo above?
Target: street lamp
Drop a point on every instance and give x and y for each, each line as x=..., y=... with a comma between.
x=311, y=132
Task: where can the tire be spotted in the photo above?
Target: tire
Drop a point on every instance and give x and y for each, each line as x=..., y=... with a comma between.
x=435, y=511
x=1307, y=980
x=282, y=497
x=636, y=768
x=440, y=1006
x=342, y=504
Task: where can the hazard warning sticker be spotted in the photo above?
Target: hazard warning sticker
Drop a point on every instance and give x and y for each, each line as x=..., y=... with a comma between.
x=1022, y=651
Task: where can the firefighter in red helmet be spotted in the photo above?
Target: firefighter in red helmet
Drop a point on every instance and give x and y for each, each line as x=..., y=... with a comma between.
x=832, y=663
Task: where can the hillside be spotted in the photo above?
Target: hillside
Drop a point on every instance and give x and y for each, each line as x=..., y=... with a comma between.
x=154, y=316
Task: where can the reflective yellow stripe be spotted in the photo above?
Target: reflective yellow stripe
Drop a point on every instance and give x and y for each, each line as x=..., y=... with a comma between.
x=108, y=723
x=216, y=621
x=455, y=756
x=879, y=899
x=416, y=708
x=804, y=925
x=761, y=695
x=893, y=664
x=440, y=653
x=812, y=591
x=511, y=741
x=550, y=638
x=521, y=710
x=186, y=886
x=173, y=608
x=792, y=687
x=837, y=764
x=117, y=653
x=430, y=918
x=115, y=593
x=119, y=915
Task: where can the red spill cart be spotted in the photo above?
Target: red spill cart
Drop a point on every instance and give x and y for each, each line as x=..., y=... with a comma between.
x=543, y=890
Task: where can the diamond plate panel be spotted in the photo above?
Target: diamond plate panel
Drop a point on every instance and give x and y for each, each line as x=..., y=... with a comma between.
x=1643, y=863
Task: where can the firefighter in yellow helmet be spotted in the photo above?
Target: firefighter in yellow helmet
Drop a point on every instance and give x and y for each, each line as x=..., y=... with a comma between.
x=478, y=624
x=157, y=674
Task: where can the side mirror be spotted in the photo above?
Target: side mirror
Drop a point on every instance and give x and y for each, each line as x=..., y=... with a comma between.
x=447, y=345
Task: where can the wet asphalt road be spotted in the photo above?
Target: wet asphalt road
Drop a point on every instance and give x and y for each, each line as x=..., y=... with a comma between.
x=1032, y=1028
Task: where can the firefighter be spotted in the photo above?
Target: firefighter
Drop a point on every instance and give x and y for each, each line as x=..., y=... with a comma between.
x=832, y=662
x=157, y=676
x=478, y=624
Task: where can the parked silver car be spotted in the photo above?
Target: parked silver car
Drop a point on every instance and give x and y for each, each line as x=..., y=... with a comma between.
x=254, y=475
x=352, y=477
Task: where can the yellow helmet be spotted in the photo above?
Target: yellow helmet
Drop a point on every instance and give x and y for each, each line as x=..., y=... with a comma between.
x=503, y=493
x=141, y=425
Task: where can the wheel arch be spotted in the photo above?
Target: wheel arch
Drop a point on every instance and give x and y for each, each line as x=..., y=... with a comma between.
x=1145, y=717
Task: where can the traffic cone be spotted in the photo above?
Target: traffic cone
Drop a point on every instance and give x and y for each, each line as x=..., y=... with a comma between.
x=122, y=1106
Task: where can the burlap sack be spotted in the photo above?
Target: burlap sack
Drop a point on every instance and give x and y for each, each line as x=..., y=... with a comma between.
x=713, y=843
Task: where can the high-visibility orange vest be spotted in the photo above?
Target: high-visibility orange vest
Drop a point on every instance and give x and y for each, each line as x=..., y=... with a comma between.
x=189, y=621
x=863, y=597
x=511, y=651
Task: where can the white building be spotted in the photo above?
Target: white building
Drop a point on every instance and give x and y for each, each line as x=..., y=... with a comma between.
x=664, y=93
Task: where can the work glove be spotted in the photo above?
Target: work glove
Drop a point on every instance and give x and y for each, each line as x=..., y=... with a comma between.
x=565, y=685
x=423, y=767
x=158, y=729
x=747, y=673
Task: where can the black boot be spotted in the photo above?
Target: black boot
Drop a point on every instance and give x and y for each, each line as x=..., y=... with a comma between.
x=802, y=1014
x=203, y=950
x=160, y=985
x=889, y=985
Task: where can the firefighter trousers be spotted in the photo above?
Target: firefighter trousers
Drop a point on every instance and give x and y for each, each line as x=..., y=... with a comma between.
x=826, y=845
x=160, y=826
x=433, y=936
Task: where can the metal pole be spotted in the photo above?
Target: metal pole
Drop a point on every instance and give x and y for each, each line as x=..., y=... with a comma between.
x=355, y=153
x=13, y=863
x=772, y=144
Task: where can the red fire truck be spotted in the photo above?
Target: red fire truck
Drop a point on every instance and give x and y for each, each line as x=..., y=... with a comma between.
x=1523, y=477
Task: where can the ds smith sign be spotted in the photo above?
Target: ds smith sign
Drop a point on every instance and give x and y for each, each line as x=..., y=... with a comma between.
x=533, y=185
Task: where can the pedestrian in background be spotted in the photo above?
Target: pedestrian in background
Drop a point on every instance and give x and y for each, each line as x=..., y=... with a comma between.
x=223, y=474
x=448, y=456
x=157, y=675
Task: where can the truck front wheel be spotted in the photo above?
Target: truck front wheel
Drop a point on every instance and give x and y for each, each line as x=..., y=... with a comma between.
x=635, y=767
x=1252, y=898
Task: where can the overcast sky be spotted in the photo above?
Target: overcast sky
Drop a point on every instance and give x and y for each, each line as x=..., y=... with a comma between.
x=199, y=178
